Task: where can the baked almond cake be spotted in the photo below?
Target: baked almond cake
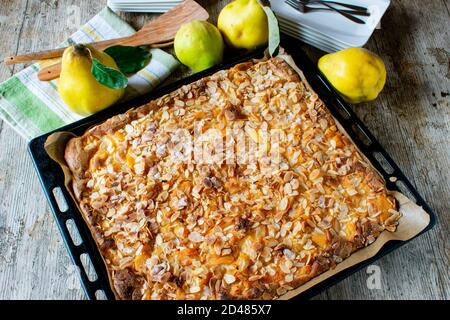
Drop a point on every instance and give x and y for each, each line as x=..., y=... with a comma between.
x=228, y=228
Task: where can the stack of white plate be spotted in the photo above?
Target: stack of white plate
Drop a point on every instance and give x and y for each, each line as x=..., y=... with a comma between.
x=328, y=30
x=143, y=5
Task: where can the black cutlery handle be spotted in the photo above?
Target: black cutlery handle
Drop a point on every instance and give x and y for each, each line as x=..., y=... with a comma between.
x=345, y=14
x=352, y=12
x=350, y=6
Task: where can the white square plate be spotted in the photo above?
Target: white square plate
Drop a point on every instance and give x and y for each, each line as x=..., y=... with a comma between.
x=334, y=25
x=311, y=40
x=304, y=30
x=142, y=5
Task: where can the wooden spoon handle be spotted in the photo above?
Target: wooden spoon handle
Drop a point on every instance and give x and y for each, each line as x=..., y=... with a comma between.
x=56, y=53
x=53, y=71
x=50, y=72
x=47, y=54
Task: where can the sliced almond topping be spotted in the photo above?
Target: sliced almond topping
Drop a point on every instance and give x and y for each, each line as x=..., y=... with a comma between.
x=195, y=237
x=285, y=268
x=314, y=174
x=295, y=184
x=289, y=277
x=229, y=278
x=288, y=176
x=282, y=206
x=195, y=224
x=287, y=189
x=195, y=289
x=226, y=251
x=163, y=196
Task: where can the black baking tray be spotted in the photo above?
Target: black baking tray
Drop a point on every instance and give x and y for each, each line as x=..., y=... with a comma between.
x=94, y=278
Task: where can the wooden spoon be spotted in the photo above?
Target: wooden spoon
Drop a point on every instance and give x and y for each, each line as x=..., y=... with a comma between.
x=156, y=33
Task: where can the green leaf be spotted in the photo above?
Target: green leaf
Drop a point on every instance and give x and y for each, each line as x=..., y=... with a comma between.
x=274, y=32
x=107, y=76
x=129, y=59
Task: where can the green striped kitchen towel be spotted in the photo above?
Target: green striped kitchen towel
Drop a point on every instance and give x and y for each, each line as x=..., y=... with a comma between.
x=33, y=107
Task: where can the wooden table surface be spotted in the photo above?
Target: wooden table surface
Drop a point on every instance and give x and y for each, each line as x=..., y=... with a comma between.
x=411, y=119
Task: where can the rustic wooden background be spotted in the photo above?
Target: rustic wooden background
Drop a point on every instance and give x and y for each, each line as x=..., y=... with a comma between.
x=411, y=119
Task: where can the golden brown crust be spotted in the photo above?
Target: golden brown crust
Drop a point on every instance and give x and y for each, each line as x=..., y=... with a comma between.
x=174, y=230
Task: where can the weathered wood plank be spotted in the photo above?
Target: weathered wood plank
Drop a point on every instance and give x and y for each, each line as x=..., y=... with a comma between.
x=411, y=119
x=32, y=255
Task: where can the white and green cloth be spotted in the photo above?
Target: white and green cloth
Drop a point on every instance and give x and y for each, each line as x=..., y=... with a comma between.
x=33, y=107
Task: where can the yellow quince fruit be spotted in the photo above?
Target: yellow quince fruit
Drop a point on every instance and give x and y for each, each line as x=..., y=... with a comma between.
x=356, y=73
x=244, y=24
x=77, y=86
x=199, y=45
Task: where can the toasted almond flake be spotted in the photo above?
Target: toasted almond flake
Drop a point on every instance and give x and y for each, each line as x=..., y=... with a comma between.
x=282, y=206
x=195, y=289
x=229, y=278
x=226, y=252
x=180, y=231
x=163, y=196
x=253, y=134
x=139, y=168
x=196, y=191
x=271, y=271
x=289, y=277
x=287, y=189
x=179, y=103
x=289, y=254
x=297, y=228
x=195, y=237
x=393, y=218
x=159, y=240
x=165, y=116
x=323, y=123
x=255, y=278
x=285, y=228
x=129, y=128
x=182, y=203
x=288, y=176
x=284, y=267
x=392, y=211
x=314, y=174
x=295, y=184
